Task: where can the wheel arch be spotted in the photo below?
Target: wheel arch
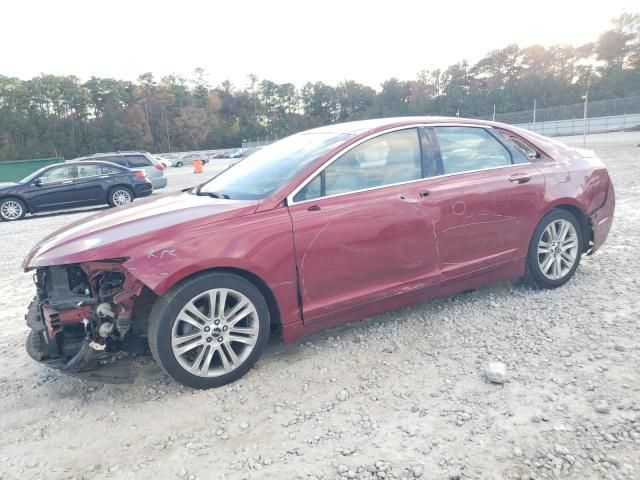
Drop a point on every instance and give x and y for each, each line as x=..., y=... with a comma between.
x=259, y=283
x=577, y=210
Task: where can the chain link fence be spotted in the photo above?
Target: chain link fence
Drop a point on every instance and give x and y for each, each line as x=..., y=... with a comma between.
x=258, y=142
x=601, y=116
x=599, y=108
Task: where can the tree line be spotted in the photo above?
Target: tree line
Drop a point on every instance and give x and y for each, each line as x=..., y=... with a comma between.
x=51, y=115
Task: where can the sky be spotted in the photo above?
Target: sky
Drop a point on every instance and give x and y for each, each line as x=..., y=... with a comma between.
x=284, y=41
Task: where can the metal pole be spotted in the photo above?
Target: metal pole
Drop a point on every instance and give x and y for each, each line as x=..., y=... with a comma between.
x=534, y=111
x=584, y=124
x=494, y=112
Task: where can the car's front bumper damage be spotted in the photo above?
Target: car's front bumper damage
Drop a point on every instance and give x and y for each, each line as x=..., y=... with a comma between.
x=88, y=320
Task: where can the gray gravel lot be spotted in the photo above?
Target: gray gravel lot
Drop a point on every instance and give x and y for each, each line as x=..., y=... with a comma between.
x=401, y=395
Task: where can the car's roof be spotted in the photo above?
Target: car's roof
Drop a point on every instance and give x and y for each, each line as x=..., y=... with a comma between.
x=120, y=152
x=361, y=126
x=96, y=162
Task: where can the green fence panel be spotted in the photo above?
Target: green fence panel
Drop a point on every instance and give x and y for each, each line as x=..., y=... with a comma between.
x=13, y=171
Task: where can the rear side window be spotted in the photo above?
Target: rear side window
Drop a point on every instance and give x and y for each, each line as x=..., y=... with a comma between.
x=89, y=170
x=524, y=148
x=107, y=170
x=138, y=161
x=119, y=160
x=465, y=149
x=384, y=160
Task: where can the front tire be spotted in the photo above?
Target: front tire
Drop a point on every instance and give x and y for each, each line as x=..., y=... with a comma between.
x=555, y=249
x=209, y=330
x=12, y=209
x=179, y=164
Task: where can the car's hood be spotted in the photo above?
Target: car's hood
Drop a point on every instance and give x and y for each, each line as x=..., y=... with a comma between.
x=4, y=185
x=118, y=232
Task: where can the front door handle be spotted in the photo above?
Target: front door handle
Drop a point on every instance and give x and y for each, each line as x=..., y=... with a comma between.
x=520, y=178
x=313, y=208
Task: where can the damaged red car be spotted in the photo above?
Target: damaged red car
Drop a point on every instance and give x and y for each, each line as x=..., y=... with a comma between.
x=324, y=227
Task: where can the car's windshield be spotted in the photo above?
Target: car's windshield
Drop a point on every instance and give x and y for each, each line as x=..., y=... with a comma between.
x=271, y=167
x=34, y=175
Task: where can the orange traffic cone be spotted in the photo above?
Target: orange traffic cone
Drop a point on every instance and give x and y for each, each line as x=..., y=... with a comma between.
x=197, y=166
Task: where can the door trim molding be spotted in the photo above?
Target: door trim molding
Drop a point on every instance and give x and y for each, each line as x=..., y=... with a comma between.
x=291, y=202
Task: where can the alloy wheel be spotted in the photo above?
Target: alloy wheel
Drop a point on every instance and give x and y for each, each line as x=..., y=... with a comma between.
x=11, y=210
x=121, y=197
x=215, y=332
x=557, y=249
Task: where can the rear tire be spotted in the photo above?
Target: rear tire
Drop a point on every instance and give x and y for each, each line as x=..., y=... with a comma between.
x=120, y=196
x=179, y=164
x=12, y=209
x=209, y=330
x=555, y=249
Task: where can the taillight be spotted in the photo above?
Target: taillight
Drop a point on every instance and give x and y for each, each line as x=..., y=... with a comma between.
x=159, y=166
x=140, y=174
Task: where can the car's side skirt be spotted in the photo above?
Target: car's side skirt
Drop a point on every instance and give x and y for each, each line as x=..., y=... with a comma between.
x=511, y=270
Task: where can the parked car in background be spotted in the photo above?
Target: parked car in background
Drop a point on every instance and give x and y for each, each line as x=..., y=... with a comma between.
x=72, y=185
x=251, y=150
x=188, y=159
x=165, y=160
x=134, y=160
x=239, y=153
x=321, y=228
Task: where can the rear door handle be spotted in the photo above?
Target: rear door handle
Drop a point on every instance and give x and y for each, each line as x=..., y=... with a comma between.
x=520, y=178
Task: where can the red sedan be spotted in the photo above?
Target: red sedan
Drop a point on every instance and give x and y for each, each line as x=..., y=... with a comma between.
x=324, y=227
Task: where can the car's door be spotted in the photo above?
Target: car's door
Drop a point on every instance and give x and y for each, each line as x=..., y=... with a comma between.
x=54, y=189
x=92, y=183
x=359, y=232
x=482, y=202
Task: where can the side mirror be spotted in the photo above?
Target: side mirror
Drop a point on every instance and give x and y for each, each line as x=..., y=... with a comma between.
x=37, y=182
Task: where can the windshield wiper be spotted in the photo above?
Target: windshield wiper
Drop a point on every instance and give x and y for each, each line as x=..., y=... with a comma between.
x=199, y=192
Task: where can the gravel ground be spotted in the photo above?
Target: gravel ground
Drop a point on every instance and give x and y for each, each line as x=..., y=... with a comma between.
x=401, y=395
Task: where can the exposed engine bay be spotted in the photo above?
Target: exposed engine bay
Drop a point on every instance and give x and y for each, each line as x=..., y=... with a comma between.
x=89, y=316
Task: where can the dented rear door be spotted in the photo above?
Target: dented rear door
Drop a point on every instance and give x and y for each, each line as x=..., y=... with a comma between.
x=483, y=204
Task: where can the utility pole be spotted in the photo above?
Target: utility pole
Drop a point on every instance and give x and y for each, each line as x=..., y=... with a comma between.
x=494, y=112
x=166, y=126
x=534, y=112
x=584, y=120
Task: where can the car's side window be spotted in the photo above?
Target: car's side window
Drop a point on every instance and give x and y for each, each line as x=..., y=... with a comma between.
x=466, y=149
x=138, y=161
x=119, y=160
x=528, y=152
x=59, y=174
x=89, y=170
x=106, y=170
x=384, y=160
